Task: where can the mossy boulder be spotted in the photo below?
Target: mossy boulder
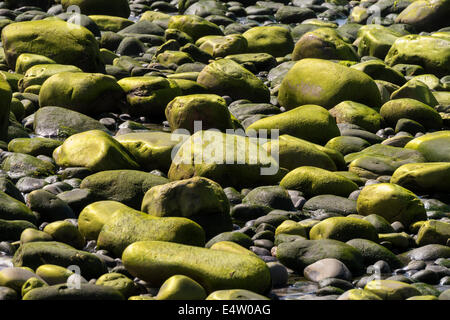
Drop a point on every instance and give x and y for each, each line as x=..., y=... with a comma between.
x=299, y=254
x=392, y=202
x=12, y=229
x=423, y=177
x=195, y=26
x=435, y=147
x=230, y=160
x=391, y=289
x=325, y=83
x=155, y=261
x=180, y=287
x=309, y=122
x=34, y=146
x=5, y=100
x=27, y=60
x=87, y=93
x=15, y=278
x=199, y=199
x=323, y=43
x=34, y=254
x=120, y=282
x=19, y=165
x=397, y=109
x=65, y=292
x=291, y=227
x=170, y=57
x=273, y=40
x=347, y=144
x=261, y=61
x=110, y=23
x=12, y=209
x=125, y=186
x=357, y=113
x=226, y=77
x=376, y=40
x=328, y=203
x=433, y=232
x=373, y=252
x=224, y=46
x=428, y=252
x=39, y=73
x=61, y=122
x=234, y=295
x=148, y=95
x=315, y=181
x=54, y=39
x=238, y=238
x=431, y=53
x=65, y=232
x=358, y=294
x=343, y=229
x=118, y=8
x=274, y=197
x=378, y=70
x=53, y=274
x=32, y=235
x=425, y=15
x=95, y=150
x=416, y=89
x=210, y=109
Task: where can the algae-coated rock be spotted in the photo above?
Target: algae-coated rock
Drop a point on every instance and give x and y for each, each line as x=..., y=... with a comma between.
x=65, y=292
x=226, y=77
x=34, y=146
x=195, y=26
x=155, y=261
x=31, y=235
x=315, y=181
x=291, y=227
x=391, y=290
x=379, y=71
x=120, y=282
x=274, y=197
x=19, y=165
x=12, y=209
x=428, y=252
x=325, y=83
x=392, y=202
x=435, y=147
x=110, y=23
x=10, y=230
x=14, y=278
x=199, y=199
x=330, y=203
x=65, y=232
x=34, y=254
x=210, y=109
x=32, y=283
x=118, y=8
x=433, y=176
x=358, y=114
x=309, y=122
x=5, y=100
x=26, y=60
x=95, y=150
x=347, y=144
x=425, y=15
x=358, y=294
x=235, y=295
x=125, y=186
x=231, y=247
x=53, y=274
x=274, y=40
x=418, y=90
x=231, y=237
x=39, y=73
x=343, y=229
x=376, y=40
x=433, y=232
x=373, y=252
x=180, y=287
x=58, y=40
x=224, y=46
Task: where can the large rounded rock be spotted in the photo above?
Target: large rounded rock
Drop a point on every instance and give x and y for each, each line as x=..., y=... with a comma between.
x=375, y=40
x=373, y=252
x=58, y=40
x=315, y=181
x=435, y=147
x=5, y=100
x=65, y=292
x=180, y=287
x=87, y=93
x=38, y=74
x=34, y=146
x=343, y=229
x=125, y=186
x=224, y=46
x=392, y=202
x=433, y=232
x=195, y=26
x=155, y=261
x=327, y=268
x=95, y=150
x=19, y=165
x=426, y=15
x=391, y=290
x=325, y=83
x=118, y=8
x=12, y=209
x=309, y=122
x=357, y=113
x=199, y=199
x=226, y=77
x=273, y=40
x=423, y=176
x=428, y=252
x=10, y=230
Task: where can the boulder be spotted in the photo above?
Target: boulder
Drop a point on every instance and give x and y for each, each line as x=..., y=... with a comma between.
x=435, y=147
x=358, y=114
x=195, y=26
x=423, y=177
x=343, y=229
x=273, y=40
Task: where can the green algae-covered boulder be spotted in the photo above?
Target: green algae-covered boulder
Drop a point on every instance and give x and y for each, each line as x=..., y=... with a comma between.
x=418, y=90
x=65, y=292
x=58, y=40
x=210, y=109
x=87, y=93
x=433, y=232
x=32, y=235
x=195, y=26
x=34, y=146
x=95, y=150
x=373, y=252
x=309, y=122
x=120, y=282
x=426, y=15
x=118, y=8
x=315, y=181
x=12, y=209
x=226, y=77
x=230, y=160
x=170, y=57
x=323, y=43
x=432, y=53
x=343, y=229
x=148, y=95
x=357, y=113
x=291, y=227
x=5, y=100
x=238, y=238
x=152, y=149
x=392, y=202
x=127, y=226
x=180, y=287
x=155, y=261
x=61, y=122
x=391, y=289
x=397, y=109
x=376, y=40
x=347, y=144
x=330, y=204
x=110, y=23
x=37, y=74
x=237, y=294
x=10, y=230
x=19, y=165
x=125, y=186
x=65, y=232
x=428, y=252
x=224, y=46
x=299, y=254
x=27, y=60
x=261, y=61
x=34, y=254
x=325, y=83
x=295, y=152
x=274, y=40
x=199, y=199
x=15, y=278
x=378, y=70
x=435, y=147
x=423, y=177
x=358, y=294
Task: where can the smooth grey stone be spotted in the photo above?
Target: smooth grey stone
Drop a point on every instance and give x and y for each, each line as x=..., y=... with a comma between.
x=279, y=274
x=327, y=268
x=426, y=276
